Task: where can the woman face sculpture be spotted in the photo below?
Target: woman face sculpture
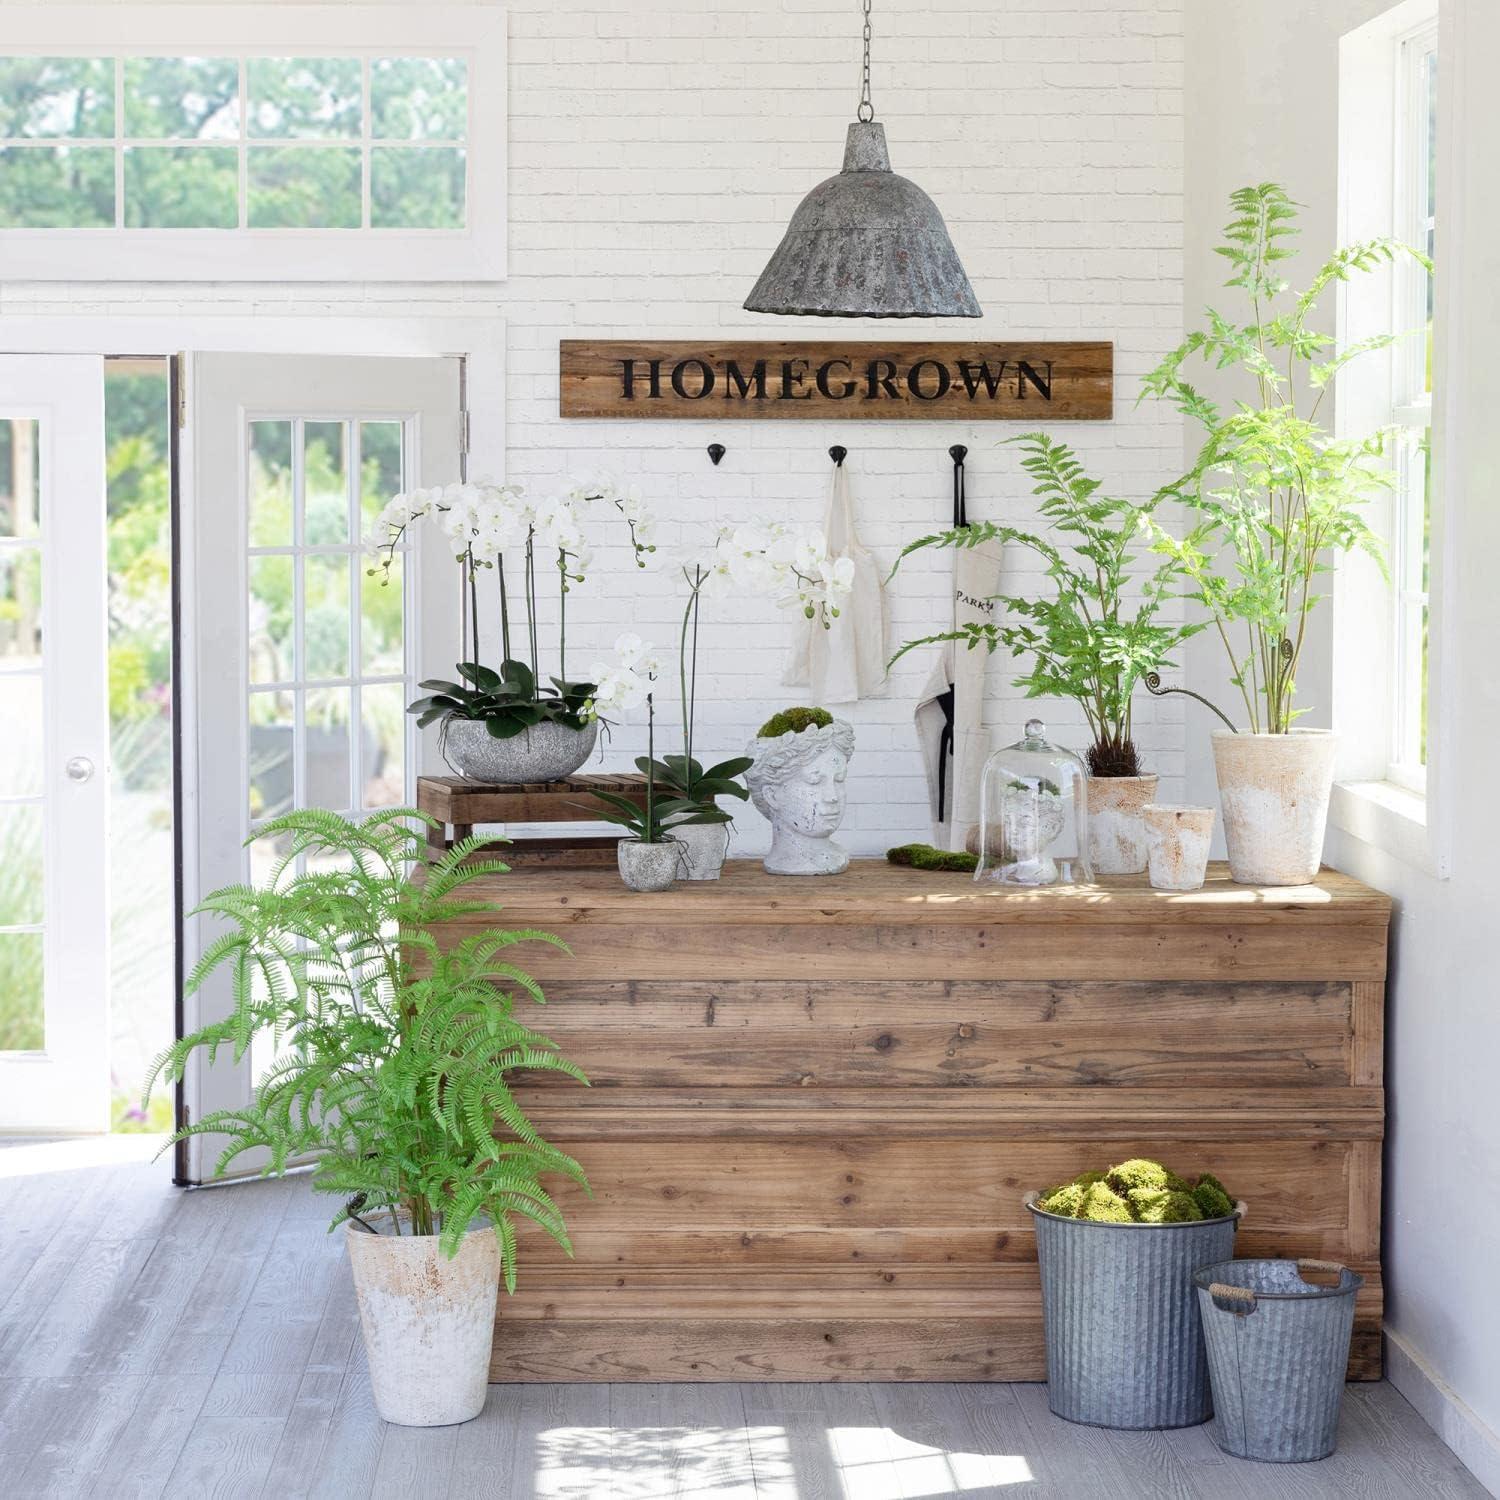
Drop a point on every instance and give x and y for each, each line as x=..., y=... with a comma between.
x=797, y=782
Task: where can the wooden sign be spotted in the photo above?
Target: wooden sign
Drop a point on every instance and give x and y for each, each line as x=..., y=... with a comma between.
x=890, y=381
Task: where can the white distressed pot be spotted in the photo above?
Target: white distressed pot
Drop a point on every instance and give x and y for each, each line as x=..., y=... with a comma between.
x=1274, y=791
x=1177, y=840
x=1117, y=825
x=649, y=867
x=545, y=752
x=704, y=847
x=429, y=1322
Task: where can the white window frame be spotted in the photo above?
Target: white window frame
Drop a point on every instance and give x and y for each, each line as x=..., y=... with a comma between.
x=474, y=32
x=1381, y=797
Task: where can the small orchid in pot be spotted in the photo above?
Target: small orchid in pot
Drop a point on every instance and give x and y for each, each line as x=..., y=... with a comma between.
x=792, y=566
x=650, y=856
x=511, y=724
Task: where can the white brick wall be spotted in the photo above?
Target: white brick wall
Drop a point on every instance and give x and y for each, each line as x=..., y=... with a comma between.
x=658, y=148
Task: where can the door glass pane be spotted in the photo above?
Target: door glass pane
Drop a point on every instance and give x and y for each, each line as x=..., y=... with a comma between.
x=328, y=748
x=379, y=468
x=383, y=745
x=272, y=641
x=326, y=627
x=325, y=448
x=272, y=754
x=20, y=607
x=20, y=487
x=21, y=739
x=21, y=1016
x=182, y=187
x=191, y=98
x=381, y=624
x=20, y=864
x=270, y=484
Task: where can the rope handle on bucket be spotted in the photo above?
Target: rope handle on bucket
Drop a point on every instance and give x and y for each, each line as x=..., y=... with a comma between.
x=1233, y=1299
x=1336, y=1267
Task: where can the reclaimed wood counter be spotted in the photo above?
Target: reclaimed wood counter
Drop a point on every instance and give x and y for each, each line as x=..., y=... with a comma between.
x=817, y=1103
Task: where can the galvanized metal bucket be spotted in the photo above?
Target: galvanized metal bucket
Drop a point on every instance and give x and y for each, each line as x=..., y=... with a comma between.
x=1278, y=1348
x=1124, y=1345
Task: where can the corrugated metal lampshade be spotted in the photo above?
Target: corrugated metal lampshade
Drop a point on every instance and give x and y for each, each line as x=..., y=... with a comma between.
x=866, y=244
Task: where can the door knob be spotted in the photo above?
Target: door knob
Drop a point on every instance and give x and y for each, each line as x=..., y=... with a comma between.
x=80, y=768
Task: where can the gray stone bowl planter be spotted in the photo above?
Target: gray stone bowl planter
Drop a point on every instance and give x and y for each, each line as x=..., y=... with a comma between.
x=650, y=867
x=704, y=848
x=545, y=752
x=1278, y=1349
x=1124, y=1342
x=428, y=1321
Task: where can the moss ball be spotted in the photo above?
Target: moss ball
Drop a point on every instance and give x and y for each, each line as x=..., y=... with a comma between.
x=925, y=857
x=1088, y=1179
x=1065, y=1200
x=1161, y=1206
x=1212, y=1199
x=1138, y=1173
x=791, y=720
x=1105, y=1206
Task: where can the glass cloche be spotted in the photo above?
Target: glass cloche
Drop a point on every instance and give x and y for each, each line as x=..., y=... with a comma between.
x=1033, y=814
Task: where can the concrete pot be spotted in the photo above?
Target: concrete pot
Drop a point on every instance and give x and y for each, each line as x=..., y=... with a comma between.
x=649, y=867
x=704, y=847
x=1177, y=840
x=1274, y=791
x=428, y=1321
x=1117, y=827
x=545, y=752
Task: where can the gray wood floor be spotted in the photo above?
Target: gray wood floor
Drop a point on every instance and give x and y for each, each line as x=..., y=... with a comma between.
x=155, y=1342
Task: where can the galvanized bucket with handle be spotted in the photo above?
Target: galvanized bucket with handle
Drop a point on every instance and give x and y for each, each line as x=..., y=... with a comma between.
x=1278, y=1348
x=1124, y=1345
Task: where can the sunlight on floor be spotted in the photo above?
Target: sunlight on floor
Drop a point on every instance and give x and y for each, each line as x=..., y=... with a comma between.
x=29, y=1158
x=875, y=1463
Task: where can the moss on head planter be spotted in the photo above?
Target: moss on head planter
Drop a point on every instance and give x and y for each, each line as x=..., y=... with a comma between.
x=1138, y=1191
x=794, y=721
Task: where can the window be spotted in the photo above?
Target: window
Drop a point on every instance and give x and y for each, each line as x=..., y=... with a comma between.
x=368, y=143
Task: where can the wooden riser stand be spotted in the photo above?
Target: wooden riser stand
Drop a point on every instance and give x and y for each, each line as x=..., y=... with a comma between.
x=460, y=805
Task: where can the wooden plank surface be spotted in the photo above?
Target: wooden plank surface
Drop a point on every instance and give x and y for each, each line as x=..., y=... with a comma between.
x=821, y=379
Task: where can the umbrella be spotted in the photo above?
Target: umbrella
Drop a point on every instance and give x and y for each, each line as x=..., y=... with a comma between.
x=950, y=713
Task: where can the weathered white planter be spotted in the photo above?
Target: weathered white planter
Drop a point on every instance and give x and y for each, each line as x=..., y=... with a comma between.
x=1117, y=826
x=545, y=752
x=1177, y=840
x=429, y=1322
x=1274, y=791
x=704, y=847
x=649, y=867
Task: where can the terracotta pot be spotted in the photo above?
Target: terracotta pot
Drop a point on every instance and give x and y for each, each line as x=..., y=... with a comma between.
x=1274, y=791
x=1117, y=827
x=649, y=867
x=428, y=1322
x=545, y=752
x=1177, y=840
x=704, y=847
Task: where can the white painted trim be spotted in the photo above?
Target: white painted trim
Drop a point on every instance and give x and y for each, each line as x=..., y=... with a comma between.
x=476, y=253
x=1475, y=1444
x=1388, y=817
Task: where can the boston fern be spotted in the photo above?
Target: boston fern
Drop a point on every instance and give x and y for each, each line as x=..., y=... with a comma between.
x=507, y=701
x=1271, y=490
x=1100, y=632
x=392, y=1054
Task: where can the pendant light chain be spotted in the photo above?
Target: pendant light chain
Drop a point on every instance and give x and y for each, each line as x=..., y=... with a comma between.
x=866, y=110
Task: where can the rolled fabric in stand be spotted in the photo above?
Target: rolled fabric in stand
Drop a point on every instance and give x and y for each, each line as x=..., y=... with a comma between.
x=846, y=661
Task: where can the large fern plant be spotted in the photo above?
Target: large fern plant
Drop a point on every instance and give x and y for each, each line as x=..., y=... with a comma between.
x=392, y=1052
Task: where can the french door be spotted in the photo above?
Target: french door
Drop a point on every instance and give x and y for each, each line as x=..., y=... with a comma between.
x=54, y=746
x=301, y=663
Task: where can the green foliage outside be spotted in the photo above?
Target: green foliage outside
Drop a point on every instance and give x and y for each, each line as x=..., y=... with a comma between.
x=1100, y=632
x=393, y=1054
x=1273, y=494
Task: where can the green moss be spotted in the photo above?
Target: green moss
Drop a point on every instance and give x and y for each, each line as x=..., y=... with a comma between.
x=1065, y=1200
x=1138, y=1172
x=1102, y=1204
x=925, y=857
x=1161, y=1206
x=1211, y=1198
x=1088, y=1179
x=795, y=719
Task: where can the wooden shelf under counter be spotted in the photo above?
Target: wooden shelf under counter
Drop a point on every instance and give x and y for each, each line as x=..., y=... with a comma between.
x=817, y=1103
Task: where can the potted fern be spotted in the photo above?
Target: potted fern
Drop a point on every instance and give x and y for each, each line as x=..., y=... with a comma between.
x=391, y=1073
x=1093, y=638
x=1274, y=496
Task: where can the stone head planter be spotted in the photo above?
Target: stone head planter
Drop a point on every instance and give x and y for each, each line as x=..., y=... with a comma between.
x=1117, y=827
x=428, y=1321
x=797, y=783
x=1274, y=791
x=545, y=752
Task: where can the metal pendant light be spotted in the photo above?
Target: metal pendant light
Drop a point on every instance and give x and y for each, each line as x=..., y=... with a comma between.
x=867, y=243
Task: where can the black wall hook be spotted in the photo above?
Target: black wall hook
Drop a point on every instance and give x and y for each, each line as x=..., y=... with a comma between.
x=838, y=455
x=716, y=451
x=958, y=453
